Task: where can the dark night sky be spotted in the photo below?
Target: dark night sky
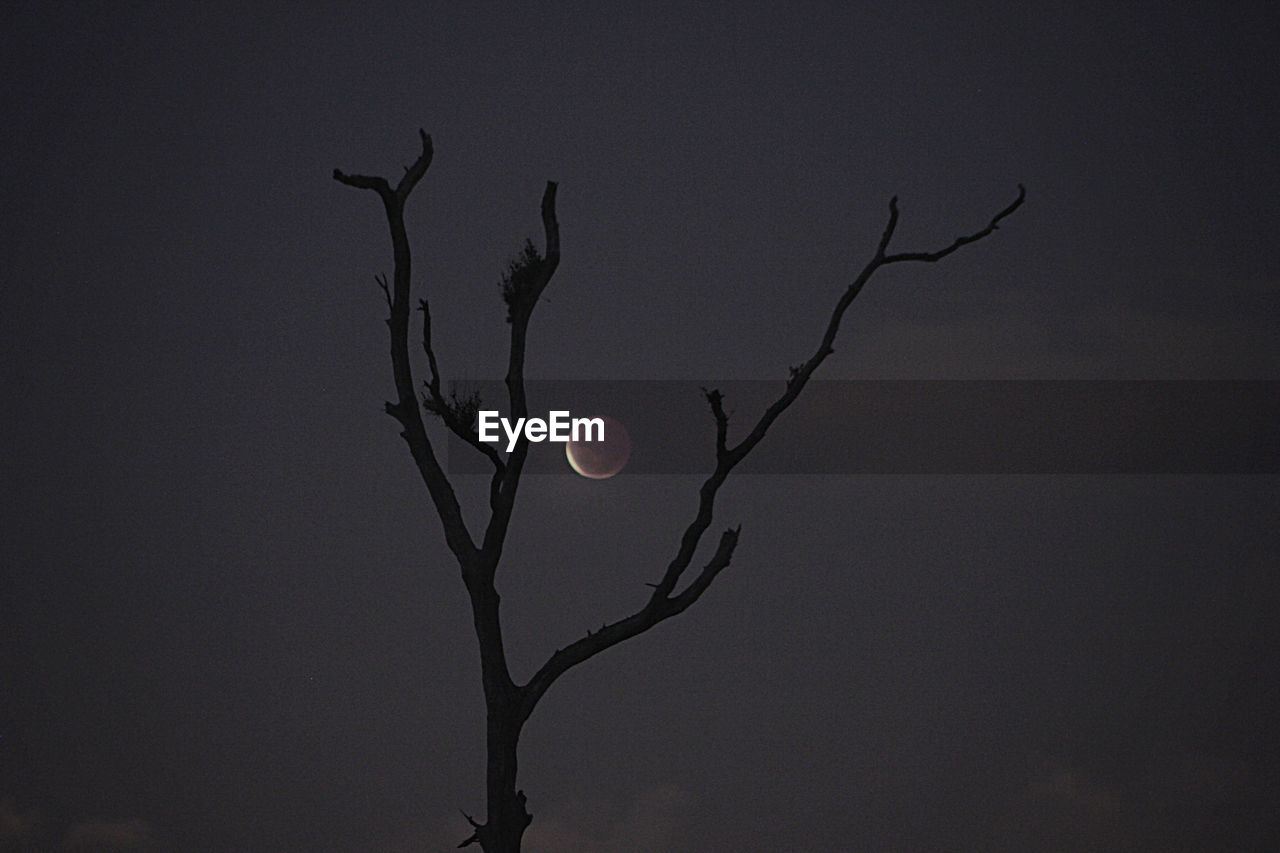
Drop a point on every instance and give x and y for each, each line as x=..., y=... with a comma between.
x=227, y=617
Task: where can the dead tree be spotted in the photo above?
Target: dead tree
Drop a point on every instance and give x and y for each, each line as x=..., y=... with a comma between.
x=507, y=703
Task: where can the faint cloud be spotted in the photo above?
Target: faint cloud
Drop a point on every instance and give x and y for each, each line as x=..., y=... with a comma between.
x=414, y=839
x=651, y=821
x=1217, y=280
x=1062, y=809
x=26, y=831
x=109, y=836
x=15, y=826
x=1045, y=335
x=1173, y=804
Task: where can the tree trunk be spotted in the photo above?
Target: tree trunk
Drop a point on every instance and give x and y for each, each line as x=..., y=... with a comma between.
x=507, y=816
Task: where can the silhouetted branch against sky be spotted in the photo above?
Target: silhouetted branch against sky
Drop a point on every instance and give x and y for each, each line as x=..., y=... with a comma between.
x=223, y=585
x=509, y=704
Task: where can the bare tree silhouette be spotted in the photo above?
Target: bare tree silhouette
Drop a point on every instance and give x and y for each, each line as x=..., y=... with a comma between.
x=507, y=703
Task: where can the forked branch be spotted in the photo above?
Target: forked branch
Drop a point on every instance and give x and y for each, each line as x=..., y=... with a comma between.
x=456, y=414
x=406, y=409
x=520, y=304
x=665, y=602
x=508, y=705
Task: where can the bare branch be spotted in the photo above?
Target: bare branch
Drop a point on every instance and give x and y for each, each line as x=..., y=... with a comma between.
x=663, y=601
x=507, y=812
x=363, y=182
x=719, y=560
x=889, y=227
x=552, y=230
x=508, y=706
x=381, y=279
x=716, y=399
x=503, y=497
x=457, y=415
x=933, y=257
x=434, y=381
x=474, y=838
x=406, y=408
x=610, y=635
x=414, y=173
x=800, y=374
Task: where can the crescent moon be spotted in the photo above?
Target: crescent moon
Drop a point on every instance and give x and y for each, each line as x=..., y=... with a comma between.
x=600, y=460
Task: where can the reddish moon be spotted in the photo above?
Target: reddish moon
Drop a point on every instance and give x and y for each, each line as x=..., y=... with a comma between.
x=600, y=460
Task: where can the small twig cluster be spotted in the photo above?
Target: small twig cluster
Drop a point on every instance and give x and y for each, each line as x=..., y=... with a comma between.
x=521, y=280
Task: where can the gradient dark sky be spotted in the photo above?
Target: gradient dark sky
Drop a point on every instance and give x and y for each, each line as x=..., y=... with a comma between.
x=228, y=619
